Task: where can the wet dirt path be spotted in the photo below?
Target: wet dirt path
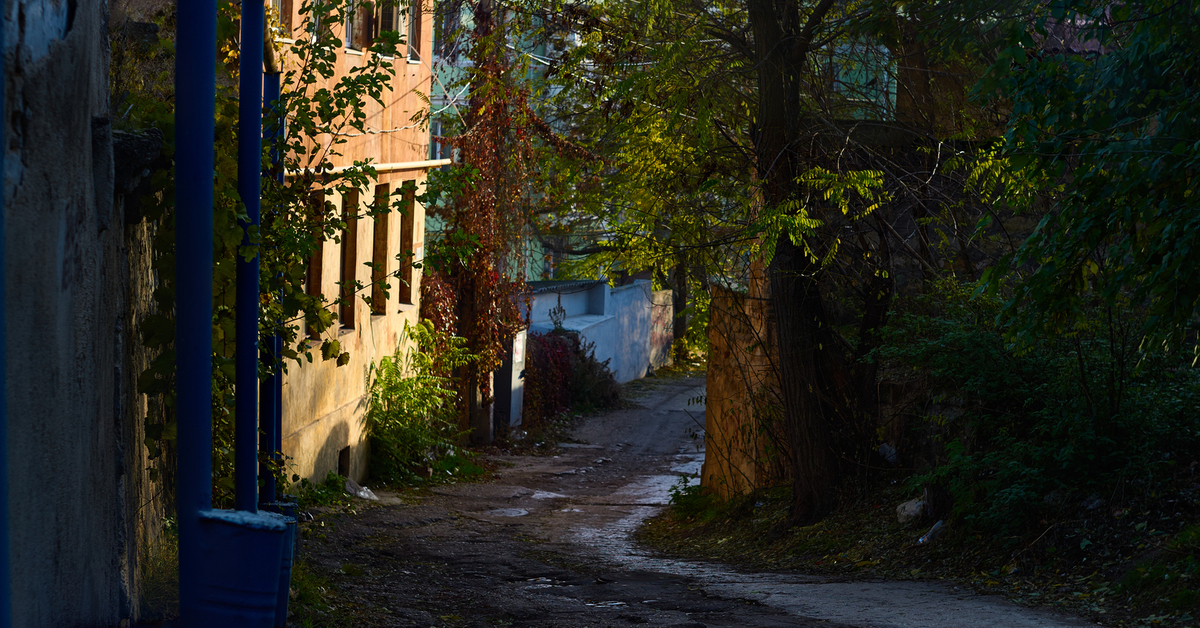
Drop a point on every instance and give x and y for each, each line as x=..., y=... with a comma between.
x=548, y=544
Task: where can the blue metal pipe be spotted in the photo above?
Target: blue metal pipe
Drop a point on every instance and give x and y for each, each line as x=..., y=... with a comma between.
x=5, y=588
x=245, y=437
x=195, y=98
x=271, y=390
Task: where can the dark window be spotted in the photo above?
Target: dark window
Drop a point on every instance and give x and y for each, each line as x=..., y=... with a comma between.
x=283, y=10
x=314, y=275
x=447, y=29
x=387, y=17
x=349, y=258
x=414, y=31
x=408, y=208
x=379, y=250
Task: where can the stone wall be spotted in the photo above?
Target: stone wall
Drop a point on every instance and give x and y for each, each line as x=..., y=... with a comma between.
x=74, y=462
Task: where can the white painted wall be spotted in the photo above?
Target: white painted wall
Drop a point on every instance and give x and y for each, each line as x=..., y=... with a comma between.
x=619, y=321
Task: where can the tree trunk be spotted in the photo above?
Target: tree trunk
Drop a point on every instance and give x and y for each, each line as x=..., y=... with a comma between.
x=812, y=380
x=679, y=303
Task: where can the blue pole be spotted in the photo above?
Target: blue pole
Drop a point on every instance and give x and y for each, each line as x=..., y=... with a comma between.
x=195, y=97
x=245, y=438
x=5, y=589
x=271, y=402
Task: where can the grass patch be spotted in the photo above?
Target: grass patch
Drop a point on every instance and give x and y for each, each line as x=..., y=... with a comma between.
x=160, y=577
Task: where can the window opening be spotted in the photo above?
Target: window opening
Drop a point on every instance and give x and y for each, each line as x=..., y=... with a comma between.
x=387, y=18
x=359, y=16
x=408, y=207
x=379, y=249
x=314, y=274
x=349, y=258
x=283, y=10
x=414, y=32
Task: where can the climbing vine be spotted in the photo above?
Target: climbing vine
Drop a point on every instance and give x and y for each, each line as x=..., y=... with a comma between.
x=483, y=202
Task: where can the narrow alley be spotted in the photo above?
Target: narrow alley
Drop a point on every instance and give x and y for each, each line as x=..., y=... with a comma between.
x=548, y=543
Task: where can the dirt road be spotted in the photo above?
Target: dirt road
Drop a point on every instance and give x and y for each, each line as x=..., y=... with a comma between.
x=547, y=545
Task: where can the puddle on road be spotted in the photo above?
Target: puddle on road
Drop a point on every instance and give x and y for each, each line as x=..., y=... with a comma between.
x=655, y=490
x=547, y=495
x=507, y=512
x=651, y=494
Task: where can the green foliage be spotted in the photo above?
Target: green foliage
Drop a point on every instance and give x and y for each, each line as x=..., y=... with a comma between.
x=295, y=214
x=1114, y=131
x=411, y=416
x=855, y=194
x=1009, y=430
x=329, y=492
x=692, y=501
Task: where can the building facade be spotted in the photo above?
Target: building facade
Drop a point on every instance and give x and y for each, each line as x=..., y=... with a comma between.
x=323, y=403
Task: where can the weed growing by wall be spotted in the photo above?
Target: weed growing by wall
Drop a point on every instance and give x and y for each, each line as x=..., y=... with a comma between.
x=412, y=407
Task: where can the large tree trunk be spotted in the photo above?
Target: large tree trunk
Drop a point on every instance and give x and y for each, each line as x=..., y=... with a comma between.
x=812, y=379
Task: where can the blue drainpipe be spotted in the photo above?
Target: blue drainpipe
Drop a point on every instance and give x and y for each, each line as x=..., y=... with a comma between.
x=195, y=97
x=245, y=439
x=271, y=390
x=229, y=561
x=5, y=589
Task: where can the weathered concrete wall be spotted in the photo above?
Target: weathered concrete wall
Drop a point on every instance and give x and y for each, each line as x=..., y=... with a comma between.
x=68, y=463
x=630, y=325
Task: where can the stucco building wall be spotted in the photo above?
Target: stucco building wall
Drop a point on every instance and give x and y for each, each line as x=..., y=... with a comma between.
x=324, y=404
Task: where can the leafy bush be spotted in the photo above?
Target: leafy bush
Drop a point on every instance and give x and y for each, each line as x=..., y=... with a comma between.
x=593, y=386
x=693, y=501
x=1018, y=436
x=329, y=492
x=547, y=379
x=411, y=414
x=562, y=372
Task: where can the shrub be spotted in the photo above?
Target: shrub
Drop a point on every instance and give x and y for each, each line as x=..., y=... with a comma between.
x=1020, y=434
x=562, y=372
x=547, y=379
x=411, y=417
